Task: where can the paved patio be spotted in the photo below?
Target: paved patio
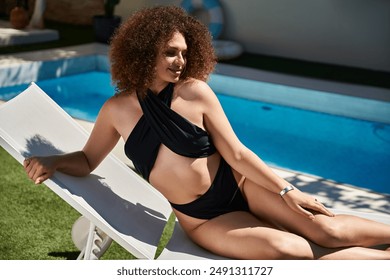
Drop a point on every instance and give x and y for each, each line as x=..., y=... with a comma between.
x=10, y=36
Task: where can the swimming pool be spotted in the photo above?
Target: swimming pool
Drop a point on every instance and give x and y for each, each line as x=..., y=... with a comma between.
x=343, y=149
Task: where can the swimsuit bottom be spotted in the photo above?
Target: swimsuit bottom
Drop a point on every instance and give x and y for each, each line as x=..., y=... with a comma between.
x=223, y=196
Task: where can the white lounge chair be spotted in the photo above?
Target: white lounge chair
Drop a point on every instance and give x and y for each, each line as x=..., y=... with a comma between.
x=117, y=203
x=113, y=198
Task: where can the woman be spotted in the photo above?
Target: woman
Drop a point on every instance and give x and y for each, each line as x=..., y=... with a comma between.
x=179, y=139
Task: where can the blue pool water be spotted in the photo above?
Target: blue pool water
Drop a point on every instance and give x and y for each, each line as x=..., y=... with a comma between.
x=342, y=149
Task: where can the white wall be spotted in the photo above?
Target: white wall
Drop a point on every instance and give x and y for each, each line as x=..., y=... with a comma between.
x=127, y=7
x=344, y=32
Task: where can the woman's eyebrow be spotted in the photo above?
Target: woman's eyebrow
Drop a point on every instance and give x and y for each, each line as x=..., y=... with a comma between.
x=175, y=48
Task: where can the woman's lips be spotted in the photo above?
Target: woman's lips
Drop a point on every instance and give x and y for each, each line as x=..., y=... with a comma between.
x=175, y=71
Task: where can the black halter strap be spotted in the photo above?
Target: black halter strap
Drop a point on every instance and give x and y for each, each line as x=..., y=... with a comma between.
x=173, y=130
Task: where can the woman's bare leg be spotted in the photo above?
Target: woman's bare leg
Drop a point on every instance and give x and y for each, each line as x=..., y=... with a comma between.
x=240, y=235
x=332, y=232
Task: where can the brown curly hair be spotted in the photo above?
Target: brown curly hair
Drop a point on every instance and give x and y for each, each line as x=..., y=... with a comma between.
x=136, y=44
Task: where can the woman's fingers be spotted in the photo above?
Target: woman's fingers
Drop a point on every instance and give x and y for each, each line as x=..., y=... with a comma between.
x=322, y=209
x=317, y=207
x=306, y=205
x=29, y=167
x=41, y=178
x=36, y=170
x=306, y=213
x=26, y=162
x=299, y=208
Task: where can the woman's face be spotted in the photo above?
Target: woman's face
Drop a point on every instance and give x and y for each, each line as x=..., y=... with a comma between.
x=171, y=61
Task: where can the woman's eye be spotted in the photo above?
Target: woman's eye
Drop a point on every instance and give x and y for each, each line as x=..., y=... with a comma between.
x=170, y=53
x=175, y=53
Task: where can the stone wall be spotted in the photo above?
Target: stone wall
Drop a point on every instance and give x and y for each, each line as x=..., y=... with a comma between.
x=67, y=11
x=73, y=11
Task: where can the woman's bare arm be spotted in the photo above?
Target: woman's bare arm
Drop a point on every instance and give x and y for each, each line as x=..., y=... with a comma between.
x=244, y=160
x=230, y=147
x=80, y=163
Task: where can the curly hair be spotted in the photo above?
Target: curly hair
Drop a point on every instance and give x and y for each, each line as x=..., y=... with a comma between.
x=136, y=44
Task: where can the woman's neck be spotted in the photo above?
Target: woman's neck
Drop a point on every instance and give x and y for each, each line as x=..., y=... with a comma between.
x=157, y=87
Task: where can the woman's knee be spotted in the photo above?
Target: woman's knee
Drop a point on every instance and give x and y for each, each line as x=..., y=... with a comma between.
x=290, y=247
x=331, y=234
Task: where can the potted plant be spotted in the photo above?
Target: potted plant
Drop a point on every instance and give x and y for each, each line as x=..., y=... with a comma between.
x=105, y=25
x=19, y=16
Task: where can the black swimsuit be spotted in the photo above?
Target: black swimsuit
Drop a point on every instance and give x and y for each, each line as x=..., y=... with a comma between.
x=161, y=125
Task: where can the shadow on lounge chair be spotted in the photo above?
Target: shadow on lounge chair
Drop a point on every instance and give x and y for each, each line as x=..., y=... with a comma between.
x=113, y=198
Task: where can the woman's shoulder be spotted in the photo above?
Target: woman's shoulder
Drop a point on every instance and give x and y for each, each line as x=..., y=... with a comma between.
x=121, y=99
x=119, y=103
x=194, y=89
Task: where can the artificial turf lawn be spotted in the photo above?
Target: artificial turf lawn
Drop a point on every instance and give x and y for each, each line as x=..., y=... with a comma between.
x=35, y=223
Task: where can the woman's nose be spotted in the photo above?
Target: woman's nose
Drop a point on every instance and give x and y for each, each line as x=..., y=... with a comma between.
x=180, y=60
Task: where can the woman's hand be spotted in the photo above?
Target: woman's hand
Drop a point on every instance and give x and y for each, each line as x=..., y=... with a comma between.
x=305, y=204
x=39, y=169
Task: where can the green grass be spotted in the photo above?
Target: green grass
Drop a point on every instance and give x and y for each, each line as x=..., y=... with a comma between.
x=35, y=223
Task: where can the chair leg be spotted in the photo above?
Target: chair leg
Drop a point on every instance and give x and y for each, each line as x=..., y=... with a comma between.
x=91, y=240
x=101, y=243
x=81, y=255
